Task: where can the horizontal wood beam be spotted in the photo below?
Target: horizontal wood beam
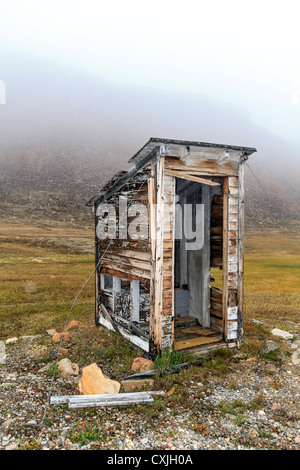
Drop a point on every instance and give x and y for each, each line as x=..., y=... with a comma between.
x=191, y=177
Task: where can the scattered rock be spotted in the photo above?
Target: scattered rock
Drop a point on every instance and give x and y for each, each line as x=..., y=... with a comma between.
x=296, y=357
x=275, y=407
x=295, y=344
x=32, y=422
x=46, y=368
x=141, y=365
x=66, y=367
x=38, y=353
x=11, y=340
x=251, y=359
x=257, y=322
x=11, y=447
x=93, y=381
x=7, y=423
x=75, y=325
x=137, y=385
x=281, y=333
x=30, y=337
x=2, y=353
x=58, y=337
x=63, y=351
x=268, y=346
x=230, y=416
x=51, y=331
x=170, y=392
x=253, y=433
x=297, y=440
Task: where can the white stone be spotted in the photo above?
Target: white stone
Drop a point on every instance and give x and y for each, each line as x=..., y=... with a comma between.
x=296, y=357
x=2, y=353
x=281, y=333
x=66, y=367
x=11, y=340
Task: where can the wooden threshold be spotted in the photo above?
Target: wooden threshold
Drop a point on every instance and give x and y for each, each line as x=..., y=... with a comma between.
x=198, y=341
x=198, y=330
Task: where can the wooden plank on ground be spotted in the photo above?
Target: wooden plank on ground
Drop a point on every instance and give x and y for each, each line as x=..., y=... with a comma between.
x=98, y=404
x=62, y=399
x=191, y=343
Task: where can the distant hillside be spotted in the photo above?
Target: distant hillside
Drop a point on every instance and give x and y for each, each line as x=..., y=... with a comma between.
x=64, y=133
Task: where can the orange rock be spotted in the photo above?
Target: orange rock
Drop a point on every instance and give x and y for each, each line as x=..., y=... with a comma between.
x=63, y=351
x=141, y=365
x=94, y=382
x=61, y=336
x=170, y=392
x=75, y=324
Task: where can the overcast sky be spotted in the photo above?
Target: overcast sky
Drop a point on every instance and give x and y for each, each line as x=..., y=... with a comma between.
x=245, y=53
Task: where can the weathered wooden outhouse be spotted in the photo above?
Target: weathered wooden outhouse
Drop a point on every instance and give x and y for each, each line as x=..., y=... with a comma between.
x=169, y=247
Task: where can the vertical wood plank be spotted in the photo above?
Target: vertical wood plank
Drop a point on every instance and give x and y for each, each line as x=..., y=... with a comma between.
x=97, y=272
x=225, y=254
x=205, y=275
x=168, y=262
x=241, y=216
x=183, y=250
x=156, y=233
x=135, y=300
x=116, y=290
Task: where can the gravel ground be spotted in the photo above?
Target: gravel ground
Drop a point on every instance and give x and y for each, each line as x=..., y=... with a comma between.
x=255, y=405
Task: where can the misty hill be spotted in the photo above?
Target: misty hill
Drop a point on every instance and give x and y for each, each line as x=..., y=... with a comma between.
x=64, y=133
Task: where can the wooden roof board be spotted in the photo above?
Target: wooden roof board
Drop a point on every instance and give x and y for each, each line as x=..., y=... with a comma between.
x=187, y=143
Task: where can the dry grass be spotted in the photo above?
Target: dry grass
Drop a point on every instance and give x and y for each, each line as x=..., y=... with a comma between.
x=39, y=280
x=272, y=285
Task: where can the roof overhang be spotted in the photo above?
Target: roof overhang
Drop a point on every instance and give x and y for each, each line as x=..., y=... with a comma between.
x=188, y=144
x=154, y=146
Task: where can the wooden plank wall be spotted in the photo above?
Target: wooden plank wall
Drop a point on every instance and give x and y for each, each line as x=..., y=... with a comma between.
x=168, y=262
x=216, y=232
x=124, y=258
x=162, y=233
x=127, y=258
x=151, y=261
x=230, y=259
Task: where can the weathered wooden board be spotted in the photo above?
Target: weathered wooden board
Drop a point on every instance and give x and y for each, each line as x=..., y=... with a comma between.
x=191, y=177
x=199, y=341
x=198, y=330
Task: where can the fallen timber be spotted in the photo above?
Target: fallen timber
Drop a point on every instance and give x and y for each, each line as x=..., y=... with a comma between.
x=172, y=370
x=104, y=400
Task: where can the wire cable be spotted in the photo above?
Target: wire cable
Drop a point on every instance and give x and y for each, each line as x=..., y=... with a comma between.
x=81, y=289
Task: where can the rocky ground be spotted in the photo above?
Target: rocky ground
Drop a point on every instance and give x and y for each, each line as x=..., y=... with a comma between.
x=253, y=404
